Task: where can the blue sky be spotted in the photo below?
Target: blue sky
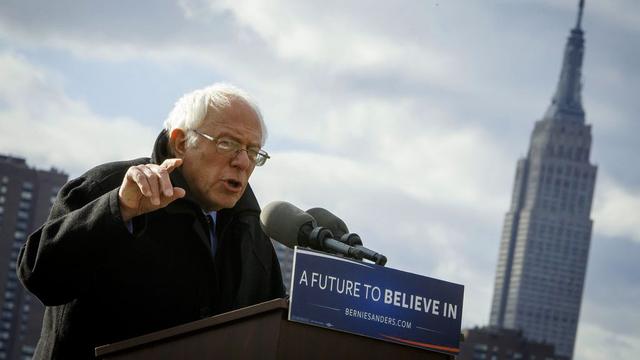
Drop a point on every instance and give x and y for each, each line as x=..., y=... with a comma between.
x=405, y=118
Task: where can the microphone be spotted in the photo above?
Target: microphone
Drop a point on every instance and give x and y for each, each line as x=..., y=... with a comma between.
x=327, y=219
x=291, y=226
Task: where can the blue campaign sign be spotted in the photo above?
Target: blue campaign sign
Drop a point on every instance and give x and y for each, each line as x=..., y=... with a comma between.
x=375, y=301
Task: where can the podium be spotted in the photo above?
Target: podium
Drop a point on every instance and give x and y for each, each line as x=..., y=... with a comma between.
x=260, y=331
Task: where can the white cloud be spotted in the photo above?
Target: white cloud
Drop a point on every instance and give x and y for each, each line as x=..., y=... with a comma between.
x=616, y=209
x=316, y=35
x=595, y=343
x=41, y=123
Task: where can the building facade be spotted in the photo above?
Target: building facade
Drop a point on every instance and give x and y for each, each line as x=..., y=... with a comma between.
x=285, y=256
x=26, y=195
x=492, y=343
x=547, y=231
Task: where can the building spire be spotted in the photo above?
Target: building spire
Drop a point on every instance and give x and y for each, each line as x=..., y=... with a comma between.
x=567, y=101
x=580, y=8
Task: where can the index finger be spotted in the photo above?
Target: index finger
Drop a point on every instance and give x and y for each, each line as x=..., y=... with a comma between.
x=171, y=164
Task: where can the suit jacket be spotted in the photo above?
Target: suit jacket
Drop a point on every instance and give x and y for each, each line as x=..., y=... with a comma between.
x=101, y=283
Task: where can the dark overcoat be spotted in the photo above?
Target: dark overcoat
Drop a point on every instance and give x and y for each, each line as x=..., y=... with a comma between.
x=101, y=283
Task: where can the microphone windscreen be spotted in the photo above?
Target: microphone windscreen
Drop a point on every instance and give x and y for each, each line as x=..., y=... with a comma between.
x=327, y=219
x=282, y=221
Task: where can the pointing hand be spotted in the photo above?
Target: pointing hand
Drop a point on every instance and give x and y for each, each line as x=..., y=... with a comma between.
x=147, y=187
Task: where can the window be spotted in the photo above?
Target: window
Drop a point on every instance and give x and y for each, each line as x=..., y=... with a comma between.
x=7, y=315
x=21, y=225
x=23, y=215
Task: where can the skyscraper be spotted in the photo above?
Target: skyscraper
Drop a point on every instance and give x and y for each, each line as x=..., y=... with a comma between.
x=26, y=195
x=547, y=231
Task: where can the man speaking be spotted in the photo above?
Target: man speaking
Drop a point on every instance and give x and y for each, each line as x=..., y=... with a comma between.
x=137, y=246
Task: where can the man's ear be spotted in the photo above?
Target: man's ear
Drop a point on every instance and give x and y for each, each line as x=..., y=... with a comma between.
x=178, y=142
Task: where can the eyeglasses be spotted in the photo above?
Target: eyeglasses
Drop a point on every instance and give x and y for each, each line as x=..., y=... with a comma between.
x=227, y=146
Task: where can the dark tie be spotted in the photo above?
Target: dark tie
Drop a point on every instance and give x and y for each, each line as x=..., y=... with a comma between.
x=212, y=234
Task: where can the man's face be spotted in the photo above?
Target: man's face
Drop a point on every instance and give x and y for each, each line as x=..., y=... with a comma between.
x=216, y=180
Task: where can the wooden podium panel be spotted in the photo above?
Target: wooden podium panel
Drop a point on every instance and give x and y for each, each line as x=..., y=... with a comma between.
x=260, y=331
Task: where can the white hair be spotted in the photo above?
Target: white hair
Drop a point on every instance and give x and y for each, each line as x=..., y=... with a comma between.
x=191, y=109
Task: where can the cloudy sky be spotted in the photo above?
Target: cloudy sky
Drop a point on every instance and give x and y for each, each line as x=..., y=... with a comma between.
x=405, y=118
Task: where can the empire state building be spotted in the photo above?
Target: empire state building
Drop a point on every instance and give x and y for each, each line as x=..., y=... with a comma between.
x=547, y=231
